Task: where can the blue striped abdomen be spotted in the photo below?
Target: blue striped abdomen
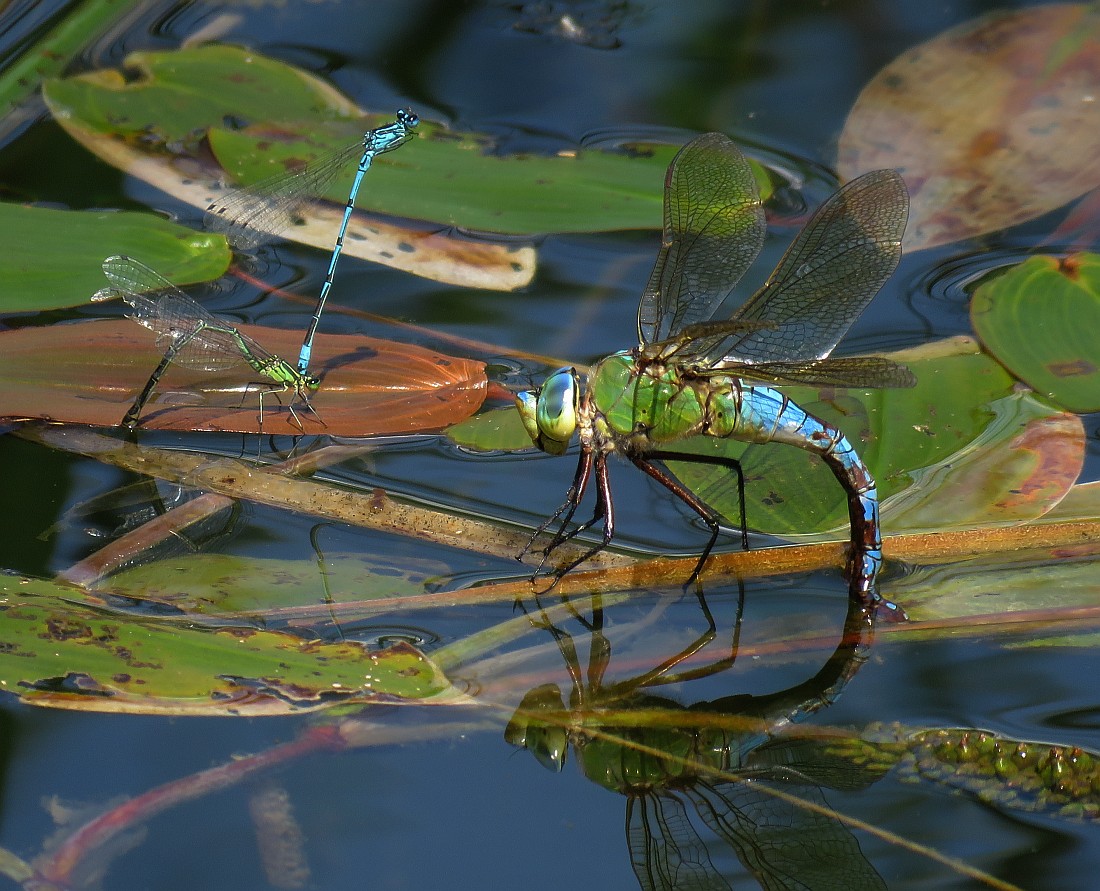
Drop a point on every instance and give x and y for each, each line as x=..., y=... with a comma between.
x=763, y=414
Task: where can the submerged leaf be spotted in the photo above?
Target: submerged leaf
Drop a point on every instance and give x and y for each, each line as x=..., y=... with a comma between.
x=991, y=123
x=220, y=584
x=91, y=372
x=1039, y=582
x=1040, y=320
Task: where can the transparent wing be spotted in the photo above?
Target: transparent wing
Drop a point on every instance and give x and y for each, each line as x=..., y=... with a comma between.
x=784, y=845
x=160, y=306
x=861, y=372
x=256, y=214
x=835, y=266
x=666, y=851
x=253, y=215
x=713, y=229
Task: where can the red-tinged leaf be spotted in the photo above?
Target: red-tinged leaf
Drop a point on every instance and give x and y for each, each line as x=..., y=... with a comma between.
x=991, y=123
x=91, y=372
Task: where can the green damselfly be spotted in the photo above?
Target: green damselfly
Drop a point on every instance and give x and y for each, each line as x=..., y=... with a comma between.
x=193, y=337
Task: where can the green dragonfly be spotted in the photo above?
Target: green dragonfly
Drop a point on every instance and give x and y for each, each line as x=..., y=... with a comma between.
x=692, y=376
x=193, y=337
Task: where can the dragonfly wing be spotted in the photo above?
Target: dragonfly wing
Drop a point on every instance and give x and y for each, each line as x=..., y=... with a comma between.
x=160, y=306
x=713, y=229
x=861, y=372
x=783, y=846
x=666, y=851
x=255, y=214
x=835, y=266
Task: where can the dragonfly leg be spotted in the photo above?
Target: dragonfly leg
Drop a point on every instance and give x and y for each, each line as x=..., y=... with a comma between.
x=681, y=492
x=572, y=500
x=605, y=511
x=309, y=405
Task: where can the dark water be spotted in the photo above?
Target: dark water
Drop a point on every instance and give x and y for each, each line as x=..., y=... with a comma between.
x=467, y=810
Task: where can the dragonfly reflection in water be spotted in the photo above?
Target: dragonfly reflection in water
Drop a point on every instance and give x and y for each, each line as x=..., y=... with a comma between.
x=673, y=763
x=688, y=375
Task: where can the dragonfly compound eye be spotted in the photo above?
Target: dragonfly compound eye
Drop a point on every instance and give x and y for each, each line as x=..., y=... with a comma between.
x=549, y=414
x=556, y=411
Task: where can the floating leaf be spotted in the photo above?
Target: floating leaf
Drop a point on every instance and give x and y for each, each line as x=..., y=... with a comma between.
x=39, y=276
x=499, y=429
x=64, y=649
x=1041, y=320
x=451, y=178
x=992, y=123
x=140, y=121
x=951, y=413
x=91, y=372
x=1022, y=464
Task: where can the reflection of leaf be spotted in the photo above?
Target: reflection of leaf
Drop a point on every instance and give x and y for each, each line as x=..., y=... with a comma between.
x=1040, y=320
x=90, y=373
x=63, y=651
x=39, y=276
x=952, y=413
x=992, y=123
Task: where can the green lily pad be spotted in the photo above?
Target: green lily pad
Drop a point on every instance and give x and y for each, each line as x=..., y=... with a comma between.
x=1040, y=320
x=60, y=256
x=496, y=430
x=63, y=648
x=173, y=98
x=904, y=437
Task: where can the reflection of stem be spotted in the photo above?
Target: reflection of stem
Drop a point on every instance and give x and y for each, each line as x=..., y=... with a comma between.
x=59, y=867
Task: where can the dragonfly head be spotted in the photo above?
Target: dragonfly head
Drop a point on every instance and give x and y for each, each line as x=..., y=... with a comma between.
x=537, y=727
x=408, y=117
x=549, y=414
